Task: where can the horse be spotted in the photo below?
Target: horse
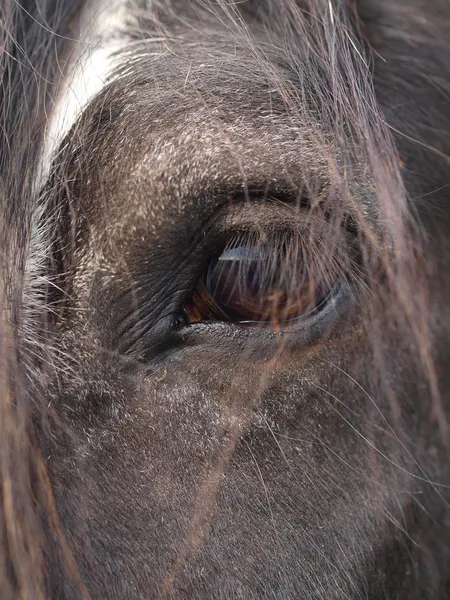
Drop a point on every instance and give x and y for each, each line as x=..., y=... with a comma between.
x=224, y=299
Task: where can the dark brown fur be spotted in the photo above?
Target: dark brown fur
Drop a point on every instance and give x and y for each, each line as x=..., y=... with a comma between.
x=141, y=458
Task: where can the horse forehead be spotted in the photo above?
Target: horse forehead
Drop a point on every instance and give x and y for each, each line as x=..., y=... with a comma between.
x=171, y=135
x=105, y=34
x=139, y=172
x=91, y=63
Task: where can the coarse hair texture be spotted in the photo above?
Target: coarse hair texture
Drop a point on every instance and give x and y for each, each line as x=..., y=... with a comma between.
x=313, y=62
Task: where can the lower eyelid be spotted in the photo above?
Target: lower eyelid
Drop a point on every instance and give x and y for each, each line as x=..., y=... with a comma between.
x=306, y=332
x=322, y=305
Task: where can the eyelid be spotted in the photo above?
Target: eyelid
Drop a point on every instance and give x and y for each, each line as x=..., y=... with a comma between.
x=260, y=279
x=260, y=343
x=258, y=221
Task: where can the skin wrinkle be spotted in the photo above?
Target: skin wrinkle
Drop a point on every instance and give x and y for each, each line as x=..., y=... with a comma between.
x=143, y=460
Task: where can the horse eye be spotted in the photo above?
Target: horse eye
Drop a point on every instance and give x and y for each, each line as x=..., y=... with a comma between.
x=265, y=284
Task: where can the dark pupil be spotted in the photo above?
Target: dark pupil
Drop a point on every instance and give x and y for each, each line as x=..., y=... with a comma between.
x=262, y=284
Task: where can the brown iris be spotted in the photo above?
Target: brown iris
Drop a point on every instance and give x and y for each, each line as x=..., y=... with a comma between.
x=251, y=284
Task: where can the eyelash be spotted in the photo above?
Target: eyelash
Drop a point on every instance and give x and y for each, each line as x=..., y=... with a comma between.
x=295, y=230
x=260, y=279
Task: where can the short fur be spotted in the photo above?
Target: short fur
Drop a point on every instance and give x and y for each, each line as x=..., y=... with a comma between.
x=144, y=456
